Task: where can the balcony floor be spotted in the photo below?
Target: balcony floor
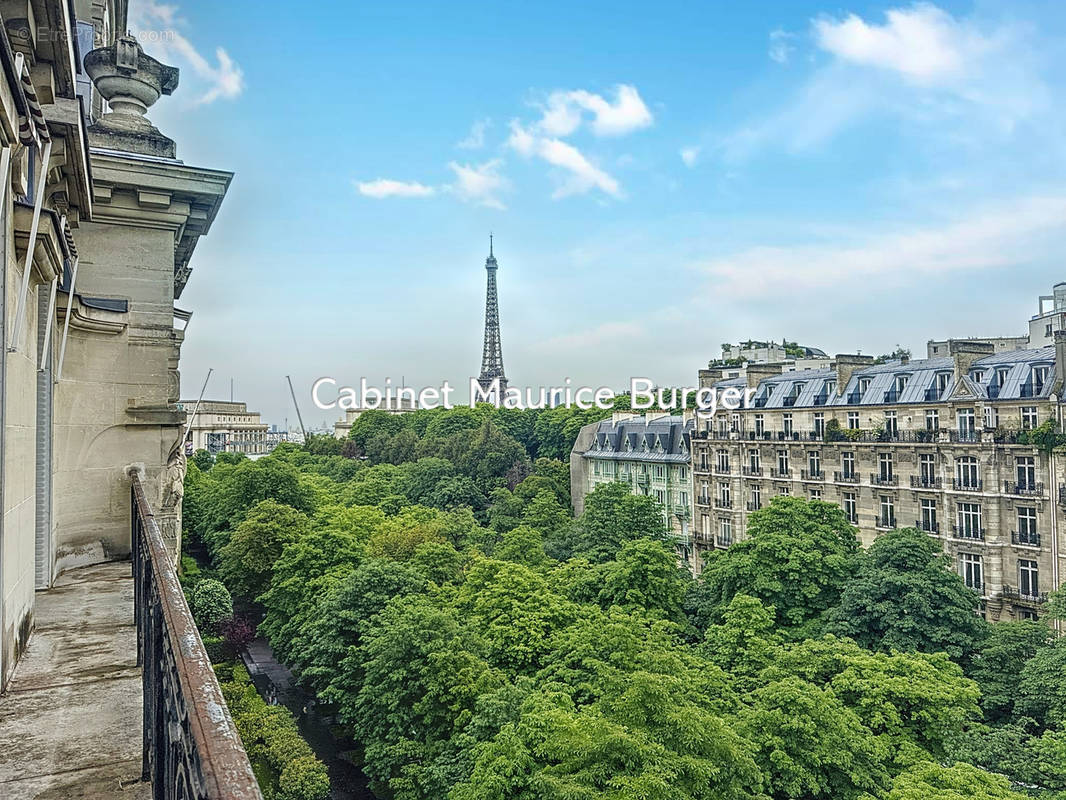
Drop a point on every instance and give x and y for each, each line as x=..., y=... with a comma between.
x=70, y=722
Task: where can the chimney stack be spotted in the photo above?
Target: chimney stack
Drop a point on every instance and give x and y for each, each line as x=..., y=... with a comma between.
x=964, y=353
x=1060, y=361
x=756, y=373
x=846, y=364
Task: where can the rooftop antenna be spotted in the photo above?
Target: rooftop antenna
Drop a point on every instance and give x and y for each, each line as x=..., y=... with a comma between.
x=196, y=407
x=298, y=416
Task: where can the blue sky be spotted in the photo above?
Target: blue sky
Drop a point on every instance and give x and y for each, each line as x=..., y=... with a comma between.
x=658, y=181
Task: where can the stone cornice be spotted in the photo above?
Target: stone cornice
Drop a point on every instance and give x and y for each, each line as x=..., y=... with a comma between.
x=89, y=320
x=143, y=191
x=47, y=251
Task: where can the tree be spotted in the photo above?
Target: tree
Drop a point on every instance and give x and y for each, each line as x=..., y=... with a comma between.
x=1042, y=687
x=523, y=545
x=997, y=666
x=211, y=605
x=645, y=575
x=811, y=745
x=930, y=781
x=798, y=558
x=904, y=596
x=374, y=421
x=745, y=643
x=247, y=560
x=203, y=460
x=613, y=517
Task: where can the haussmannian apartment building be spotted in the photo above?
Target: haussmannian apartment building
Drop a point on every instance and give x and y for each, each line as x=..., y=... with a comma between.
x=936, y=443
x=226, y=426
x=651, y=454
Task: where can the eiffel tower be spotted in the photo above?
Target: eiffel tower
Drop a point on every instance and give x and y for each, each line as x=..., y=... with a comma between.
x=491, y=353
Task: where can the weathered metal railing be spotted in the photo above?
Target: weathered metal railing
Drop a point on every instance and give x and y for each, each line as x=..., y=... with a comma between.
x=191, y=747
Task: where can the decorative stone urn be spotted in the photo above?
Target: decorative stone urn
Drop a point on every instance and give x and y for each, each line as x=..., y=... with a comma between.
x=130, y=81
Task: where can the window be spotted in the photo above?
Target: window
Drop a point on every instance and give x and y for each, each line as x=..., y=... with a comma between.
x=1025, y=470
x=660, y=471
x=1028, y=417
x=814, y=463
x=754, y=461
x=891, y=423
x=847, y=464
x=725, y=532
x=969, y=521
x=816, y=493
x=932, y=419
x=1047, y=330
x=734, y=422
x=966, y=470
x=705, y=526
x=682, y=473
x=901, y=383
x=724, y=496
x=1001, y=376
x=927, y=469
x=595, y=467
x=928, y=516
x=970, y=569
x=783, y=491
x=850, y=507
x=965, y=419
x=1027, y=614
x=786, y=424
x=782, y=462
x=756, y=498
x=885, y=467
x=723, y=461
x=864, y=384
x=1039, y=379
x=703, y=460
x=942, y=379
x=1028, y=578
x=887, y=518
x=819, y=424
x=991, y=415
x=660, y=496
x=759, y=425
x=682, y=498
x=853, y=420
x=830, y=387
x=705, y=494
x=1027, y=526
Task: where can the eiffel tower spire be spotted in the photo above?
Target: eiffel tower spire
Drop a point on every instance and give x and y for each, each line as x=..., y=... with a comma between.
x=491, y=353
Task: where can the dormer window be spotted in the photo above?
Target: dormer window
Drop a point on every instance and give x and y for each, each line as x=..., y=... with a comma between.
x=942, y=379
x=864, y=384
x=1001, y=376
x=901, y=383
x=978, y=375
x=830, y=387
x=1039, y=379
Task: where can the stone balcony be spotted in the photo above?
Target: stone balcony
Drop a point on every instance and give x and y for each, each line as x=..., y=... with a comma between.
x=70, y=722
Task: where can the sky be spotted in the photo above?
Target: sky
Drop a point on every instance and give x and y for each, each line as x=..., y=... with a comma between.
x=659, y=180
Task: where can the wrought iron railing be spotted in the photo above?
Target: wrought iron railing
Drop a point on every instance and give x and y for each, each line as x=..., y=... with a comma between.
x=191, y=748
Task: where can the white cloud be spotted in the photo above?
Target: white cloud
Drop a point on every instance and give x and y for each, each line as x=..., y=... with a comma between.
x=579, y=175
x=480, y=184
x=384, y=187
x=158, y=25
x=475, y=140
x=992, y=237
x=562, y=114
x=781, y=46
x=923, y=43
x=690, y=155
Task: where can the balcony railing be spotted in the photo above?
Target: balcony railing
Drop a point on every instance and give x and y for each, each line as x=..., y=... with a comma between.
x=1014, y=594
x=967, y=485
x=964, y=436
x=723, y=502
x=926, y=482
x=1026, y=488
x=886, y=521
x=752, y=472
x=965, y=532
x=927, y=526
x=753, y=505
x=191, y=747
x=877, y=479
x=723, y=541
x=780, y=473
x=846, y=477
x=1025, y=538
x=1062, y=495
x=812, y=475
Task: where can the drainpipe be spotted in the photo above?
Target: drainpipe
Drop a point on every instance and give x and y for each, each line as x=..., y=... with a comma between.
x=5, y=167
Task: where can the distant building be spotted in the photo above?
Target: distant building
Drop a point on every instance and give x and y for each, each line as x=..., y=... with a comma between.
x=1050, y=317
x=221, y=426
x=343, y=427
x=737, y=357
x=651, y=455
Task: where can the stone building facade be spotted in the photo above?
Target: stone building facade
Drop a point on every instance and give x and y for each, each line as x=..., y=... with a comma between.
x=650, y=454
x=223, y=426
x=98, y=222
x=941, y=444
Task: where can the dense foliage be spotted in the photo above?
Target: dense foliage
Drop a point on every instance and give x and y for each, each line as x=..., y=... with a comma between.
x=479, y=643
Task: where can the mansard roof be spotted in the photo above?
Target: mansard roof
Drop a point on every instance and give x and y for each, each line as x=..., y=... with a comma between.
x=1003, y=376
x=665, y=439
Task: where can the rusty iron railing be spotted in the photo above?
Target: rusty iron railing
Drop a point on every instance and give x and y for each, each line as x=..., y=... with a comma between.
x=191, y=747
